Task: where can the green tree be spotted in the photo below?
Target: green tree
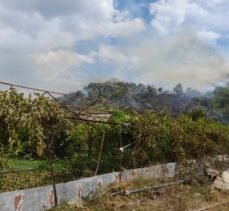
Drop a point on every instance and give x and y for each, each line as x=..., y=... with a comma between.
x=221, y=100
x=178, y=89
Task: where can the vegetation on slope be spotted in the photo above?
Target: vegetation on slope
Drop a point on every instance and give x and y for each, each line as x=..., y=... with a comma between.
x=36, y=127
x=141, y=97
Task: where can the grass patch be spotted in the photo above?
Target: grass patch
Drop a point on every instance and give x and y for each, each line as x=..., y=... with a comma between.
x=23, y=174
x=16, y=164
x=23, y=164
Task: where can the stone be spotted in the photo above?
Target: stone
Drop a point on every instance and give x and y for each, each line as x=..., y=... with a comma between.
x=212, y=173
x=220, y=184
x=225, y=176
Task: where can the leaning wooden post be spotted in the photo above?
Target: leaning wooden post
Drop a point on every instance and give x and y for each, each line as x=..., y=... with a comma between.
x=51, y=161
x=100, y=153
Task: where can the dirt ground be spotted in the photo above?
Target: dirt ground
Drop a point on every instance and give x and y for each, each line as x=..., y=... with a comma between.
x=177, y=198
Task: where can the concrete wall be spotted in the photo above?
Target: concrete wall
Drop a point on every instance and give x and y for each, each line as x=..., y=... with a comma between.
x=42, y=198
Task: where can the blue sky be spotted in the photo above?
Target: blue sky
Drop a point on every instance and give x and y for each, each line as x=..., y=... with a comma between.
x=65, y=44
x=137, y=8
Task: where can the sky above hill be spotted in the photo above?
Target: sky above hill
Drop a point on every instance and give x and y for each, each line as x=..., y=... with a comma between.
x=64, y=44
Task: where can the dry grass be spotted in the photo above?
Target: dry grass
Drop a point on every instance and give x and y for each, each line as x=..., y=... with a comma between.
x=179, y=198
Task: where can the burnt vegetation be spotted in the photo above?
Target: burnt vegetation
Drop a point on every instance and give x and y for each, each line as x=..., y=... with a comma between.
x=146, y=97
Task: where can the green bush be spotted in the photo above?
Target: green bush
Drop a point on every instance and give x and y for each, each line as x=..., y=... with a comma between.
x=35, y=126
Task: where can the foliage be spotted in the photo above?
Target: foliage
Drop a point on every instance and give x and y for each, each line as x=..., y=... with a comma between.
x=3, y=164
x=216, y=104
x=3, y=161
x=137, y=96
x=141, y=97
x=38, y=127
x=155, y=137
x=221, y=101
x=29, y=123
x=197, y=113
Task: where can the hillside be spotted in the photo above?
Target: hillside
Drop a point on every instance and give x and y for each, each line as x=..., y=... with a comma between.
x=137, y=96
x=147, y=97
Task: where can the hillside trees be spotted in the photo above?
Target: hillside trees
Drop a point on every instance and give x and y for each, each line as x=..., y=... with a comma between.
x=216, y=104
x=221, y=101
x=137, y=96
x=178, y=89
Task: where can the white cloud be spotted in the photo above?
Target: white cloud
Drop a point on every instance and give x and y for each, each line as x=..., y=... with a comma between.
x=98, y=9
x=61, y=61
x=113, y=54
x=107, y=53
x=55, y=67
x=124, y=28
x=38, y=42
x=212, y=3
x=38, y=38
x=208, y=35
x=83, y=19
x=169, y=16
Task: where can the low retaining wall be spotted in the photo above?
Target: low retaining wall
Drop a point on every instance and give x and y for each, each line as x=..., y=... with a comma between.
x=42, y=198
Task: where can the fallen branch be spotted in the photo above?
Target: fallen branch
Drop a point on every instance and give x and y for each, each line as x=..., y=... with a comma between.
x=154, y=188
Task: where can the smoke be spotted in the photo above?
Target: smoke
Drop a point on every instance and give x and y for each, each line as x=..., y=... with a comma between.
x=181, y=57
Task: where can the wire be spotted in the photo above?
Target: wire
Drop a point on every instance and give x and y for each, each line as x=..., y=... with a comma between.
x=77, y=117
x=99, y=121
x=31, y=88
x=76, y=114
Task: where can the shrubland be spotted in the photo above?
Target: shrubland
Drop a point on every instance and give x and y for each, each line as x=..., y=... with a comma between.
x=36, y=127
